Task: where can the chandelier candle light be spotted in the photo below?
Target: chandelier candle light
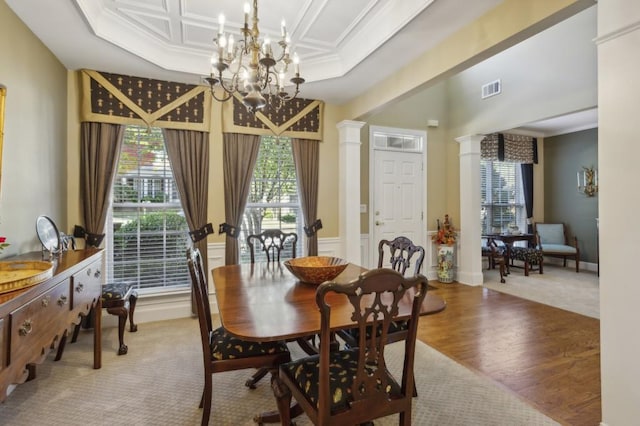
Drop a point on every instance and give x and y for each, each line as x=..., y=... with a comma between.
x=250, y=67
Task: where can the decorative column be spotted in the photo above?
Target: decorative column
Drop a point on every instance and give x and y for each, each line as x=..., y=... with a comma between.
x=469, y=253
x=349, y=189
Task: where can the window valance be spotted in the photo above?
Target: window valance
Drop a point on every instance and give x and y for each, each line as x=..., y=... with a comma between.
x=299, y=118
x=509, y=147
x=121, y=99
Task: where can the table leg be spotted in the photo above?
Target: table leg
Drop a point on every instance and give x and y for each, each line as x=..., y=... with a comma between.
x=283, y=398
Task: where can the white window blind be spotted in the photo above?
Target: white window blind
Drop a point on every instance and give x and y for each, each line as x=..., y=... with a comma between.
x=149, y=232
x=502, y=196
x=273, y=201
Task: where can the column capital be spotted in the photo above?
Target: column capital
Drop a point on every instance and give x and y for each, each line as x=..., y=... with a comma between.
x=470, y=144
x=350, y=124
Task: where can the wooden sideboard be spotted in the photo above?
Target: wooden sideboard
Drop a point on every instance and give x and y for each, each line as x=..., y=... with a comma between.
x=37, y=319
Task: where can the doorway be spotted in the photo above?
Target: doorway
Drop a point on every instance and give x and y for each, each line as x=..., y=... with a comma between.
x=397, y=190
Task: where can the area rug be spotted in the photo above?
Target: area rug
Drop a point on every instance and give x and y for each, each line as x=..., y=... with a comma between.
x=557, y=286
x=159, y=382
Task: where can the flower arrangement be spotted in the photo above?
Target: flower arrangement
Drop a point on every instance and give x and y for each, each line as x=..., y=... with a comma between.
x=446, y=233
x=3, y=243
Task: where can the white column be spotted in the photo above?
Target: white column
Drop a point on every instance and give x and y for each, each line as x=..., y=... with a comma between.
x=619, y=202
x=469, y=254
x=349, y=189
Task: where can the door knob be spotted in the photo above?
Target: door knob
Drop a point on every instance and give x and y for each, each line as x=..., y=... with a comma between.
x=378, y=223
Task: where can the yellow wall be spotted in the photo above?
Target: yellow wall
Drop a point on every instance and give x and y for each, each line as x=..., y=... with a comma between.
x=34, y=160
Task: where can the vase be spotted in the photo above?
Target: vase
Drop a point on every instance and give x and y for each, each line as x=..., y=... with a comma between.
x=445, y=264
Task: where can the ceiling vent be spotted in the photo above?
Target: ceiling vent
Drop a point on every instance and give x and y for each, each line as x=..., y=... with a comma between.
x=491, y=89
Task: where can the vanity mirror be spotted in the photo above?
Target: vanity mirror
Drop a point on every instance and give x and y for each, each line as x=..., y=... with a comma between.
x=48, y=235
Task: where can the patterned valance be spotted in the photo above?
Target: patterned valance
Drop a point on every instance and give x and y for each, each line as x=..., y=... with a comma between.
x=121, y=99
x=508, y=147
x=299, y=118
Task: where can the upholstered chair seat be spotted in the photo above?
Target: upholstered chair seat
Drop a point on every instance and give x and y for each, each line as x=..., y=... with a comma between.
x=225, y=346
x=342, y=372
x=530, y=256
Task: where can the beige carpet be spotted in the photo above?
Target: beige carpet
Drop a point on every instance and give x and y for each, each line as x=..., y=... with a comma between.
x=558, y=286
x=159, y=382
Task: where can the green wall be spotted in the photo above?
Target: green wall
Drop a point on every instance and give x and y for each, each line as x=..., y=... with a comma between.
x=564, y=156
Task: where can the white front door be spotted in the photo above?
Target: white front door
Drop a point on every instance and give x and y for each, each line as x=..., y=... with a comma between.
x=397, y=204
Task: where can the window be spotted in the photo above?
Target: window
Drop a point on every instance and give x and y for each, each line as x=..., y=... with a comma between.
x=502, y=196
x=273, y=201
x=149, y=232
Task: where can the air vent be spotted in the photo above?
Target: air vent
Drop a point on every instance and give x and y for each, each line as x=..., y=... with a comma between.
x=491, y=89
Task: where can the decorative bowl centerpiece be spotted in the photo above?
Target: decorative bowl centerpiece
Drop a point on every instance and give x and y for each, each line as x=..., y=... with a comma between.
x=316, y=269
x=17, y=274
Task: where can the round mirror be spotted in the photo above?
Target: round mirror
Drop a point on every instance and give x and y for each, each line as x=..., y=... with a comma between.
x=48, y=234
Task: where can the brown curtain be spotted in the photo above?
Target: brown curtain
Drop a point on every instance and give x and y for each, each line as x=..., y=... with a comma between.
x=240, y=153
x=306, y=159
x=100, y=148
x=188, y=152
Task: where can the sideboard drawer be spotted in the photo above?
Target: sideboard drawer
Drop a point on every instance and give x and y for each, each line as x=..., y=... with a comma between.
x=86, y=287
x=32, y=323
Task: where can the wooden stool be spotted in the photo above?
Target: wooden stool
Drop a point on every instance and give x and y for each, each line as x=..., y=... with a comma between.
x=120, y=299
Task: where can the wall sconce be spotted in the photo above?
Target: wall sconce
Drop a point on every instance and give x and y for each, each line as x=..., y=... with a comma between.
x=588, y=181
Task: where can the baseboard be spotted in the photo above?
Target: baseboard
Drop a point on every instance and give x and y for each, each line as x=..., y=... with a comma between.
x=584, y=266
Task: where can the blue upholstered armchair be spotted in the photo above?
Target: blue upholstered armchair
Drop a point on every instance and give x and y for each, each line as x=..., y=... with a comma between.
x=552, y=240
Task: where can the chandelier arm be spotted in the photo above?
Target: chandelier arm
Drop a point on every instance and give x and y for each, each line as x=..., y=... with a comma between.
x=223, y=98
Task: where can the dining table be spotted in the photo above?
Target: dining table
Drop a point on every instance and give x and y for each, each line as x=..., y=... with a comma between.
x=264, y=302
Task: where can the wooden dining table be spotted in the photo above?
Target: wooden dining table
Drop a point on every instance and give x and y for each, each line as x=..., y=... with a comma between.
x=264, y=302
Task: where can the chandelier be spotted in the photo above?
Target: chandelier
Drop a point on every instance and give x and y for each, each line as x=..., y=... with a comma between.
x=248, y=67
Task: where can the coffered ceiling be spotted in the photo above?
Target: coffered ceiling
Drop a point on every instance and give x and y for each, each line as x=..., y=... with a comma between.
x=345, y=47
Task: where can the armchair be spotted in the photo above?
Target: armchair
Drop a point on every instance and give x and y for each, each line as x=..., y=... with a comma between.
x=552, y=240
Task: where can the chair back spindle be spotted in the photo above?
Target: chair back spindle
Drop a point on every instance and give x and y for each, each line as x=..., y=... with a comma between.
x=273, y=243
x=401, y=254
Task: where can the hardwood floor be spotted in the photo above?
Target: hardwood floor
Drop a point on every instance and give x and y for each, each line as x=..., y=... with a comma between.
x=549, y=357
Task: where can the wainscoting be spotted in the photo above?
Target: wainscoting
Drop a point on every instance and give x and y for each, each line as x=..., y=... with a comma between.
x=177, y=304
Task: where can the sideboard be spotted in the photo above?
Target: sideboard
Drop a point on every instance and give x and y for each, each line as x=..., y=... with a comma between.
x=37, y=319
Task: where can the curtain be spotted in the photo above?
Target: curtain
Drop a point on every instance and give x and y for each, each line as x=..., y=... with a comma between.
x=306, y=159
x=239, y=153
x=527, y=185
x=188, y=152
x=509, y=147
x=100, y=148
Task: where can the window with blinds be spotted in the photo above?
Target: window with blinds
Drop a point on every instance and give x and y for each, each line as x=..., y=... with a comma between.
x=149, y=232
x=502, y=196
x=273, y=201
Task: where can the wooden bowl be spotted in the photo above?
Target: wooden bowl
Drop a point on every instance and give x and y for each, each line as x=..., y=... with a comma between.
x=316, y=269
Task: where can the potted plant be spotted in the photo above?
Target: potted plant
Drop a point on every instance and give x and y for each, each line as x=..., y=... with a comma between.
x=445, y=238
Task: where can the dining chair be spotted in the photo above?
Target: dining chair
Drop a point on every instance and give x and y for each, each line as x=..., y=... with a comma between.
x=496, y=255
x=221, y=351
x=402, y=252
x=272, y=242
x=353, y=385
